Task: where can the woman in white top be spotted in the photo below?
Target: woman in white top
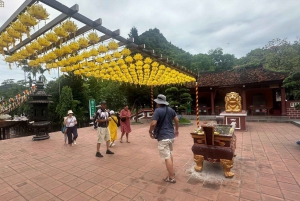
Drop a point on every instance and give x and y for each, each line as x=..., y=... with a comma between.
x=71, y=122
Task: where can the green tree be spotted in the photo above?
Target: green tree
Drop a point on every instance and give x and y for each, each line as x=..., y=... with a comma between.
x=281, y=55
x=66, y=102
x=179, y=98
x=222, y=61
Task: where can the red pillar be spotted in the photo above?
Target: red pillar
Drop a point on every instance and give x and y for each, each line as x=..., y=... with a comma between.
x=244, y=99
x=283, y=109
x=212, y=102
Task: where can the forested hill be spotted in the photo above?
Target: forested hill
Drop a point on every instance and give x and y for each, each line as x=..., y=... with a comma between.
x=155, y=40
x=215, y=60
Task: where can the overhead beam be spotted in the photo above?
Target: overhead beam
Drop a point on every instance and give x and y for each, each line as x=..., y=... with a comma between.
x=14, y=16
x=45, y=28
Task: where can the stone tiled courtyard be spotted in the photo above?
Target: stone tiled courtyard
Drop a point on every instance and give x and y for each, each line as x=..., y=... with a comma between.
x=266, y=168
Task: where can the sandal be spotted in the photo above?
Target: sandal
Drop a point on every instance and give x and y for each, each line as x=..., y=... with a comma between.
x=168, y=179
x=128, y=142
x=121, y=141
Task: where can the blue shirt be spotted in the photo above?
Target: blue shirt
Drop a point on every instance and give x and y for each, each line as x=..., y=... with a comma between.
x=166, y=127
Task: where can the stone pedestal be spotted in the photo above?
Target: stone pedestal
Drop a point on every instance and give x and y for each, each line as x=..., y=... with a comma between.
x=239, y=118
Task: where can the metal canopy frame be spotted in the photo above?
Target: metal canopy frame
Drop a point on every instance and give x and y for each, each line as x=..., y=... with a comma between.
x=90, y=24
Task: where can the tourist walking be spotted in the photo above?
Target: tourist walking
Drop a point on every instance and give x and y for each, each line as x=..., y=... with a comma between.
x=162, y=129
x=113, y=128
x=125, y=116
x=103, y=118
x=71, y=123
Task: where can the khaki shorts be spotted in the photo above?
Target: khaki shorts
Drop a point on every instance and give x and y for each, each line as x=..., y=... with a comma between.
x=103, y=135
x=165, y=148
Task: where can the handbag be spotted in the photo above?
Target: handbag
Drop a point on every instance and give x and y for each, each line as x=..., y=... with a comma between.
x=157, y=129
x=123, y=119
x=64, y=129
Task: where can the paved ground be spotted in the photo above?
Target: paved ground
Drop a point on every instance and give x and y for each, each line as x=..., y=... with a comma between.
x=266, y=168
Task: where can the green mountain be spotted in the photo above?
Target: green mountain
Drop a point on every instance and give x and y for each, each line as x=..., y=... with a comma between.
x=215, y=60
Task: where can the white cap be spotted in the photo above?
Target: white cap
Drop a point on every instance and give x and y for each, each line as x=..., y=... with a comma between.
x=111, y=112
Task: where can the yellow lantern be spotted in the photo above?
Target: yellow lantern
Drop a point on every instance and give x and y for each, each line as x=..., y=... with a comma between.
x=126, y=52
x=38, y=11
x=13, y=33
x=74, y=46
x=51, y=37
x=94, y=52
x=102, y=49
x=69, y=26
x=107, y=57
x=21, y=28
x=35, y=46
x=83, y=42
x=129, y=59
x=27, y=20
x=43, y=42
x=93, y=38
x=138, y=57
x=112, y=45
x=61, y=32
x=99, y=59
x=117, y=55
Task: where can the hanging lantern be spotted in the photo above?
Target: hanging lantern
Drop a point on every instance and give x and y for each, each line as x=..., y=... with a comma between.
x=38, y=11
x=43, y=42
x=59, y=52
x=112, y=45
x=61, y=32
x=6, y=38
x=102, y=49
x=107, y=57
x=51, y=37
x=21, y=28
x=148, y=60
x=83, y=42
x=138, y=57
x=100, y=60
x=129, y=59
x=126, y=52
x=74, y=46
x=70, y=27
x=94, y=52
x=117, y=55
x=66, y=50
x=24, y=53
x=29, y=49
x=13, y=33
x=93, y=38
x=35, y=46
x=27, y=20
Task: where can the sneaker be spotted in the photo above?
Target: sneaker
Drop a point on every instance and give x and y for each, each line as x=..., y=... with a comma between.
x=298, y=142
x=109, y=152
x=113, y=144
x=99, y=155
x=74, y=141
x=110, y=145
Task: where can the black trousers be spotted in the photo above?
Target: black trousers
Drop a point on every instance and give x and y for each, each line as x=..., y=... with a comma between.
x=70, y=131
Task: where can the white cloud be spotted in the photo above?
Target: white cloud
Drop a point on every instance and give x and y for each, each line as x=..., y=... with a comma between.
x=195, y=26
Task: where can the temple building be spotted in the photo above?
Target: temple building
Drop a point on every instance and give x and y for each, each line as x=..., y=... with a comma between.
x=260, y=88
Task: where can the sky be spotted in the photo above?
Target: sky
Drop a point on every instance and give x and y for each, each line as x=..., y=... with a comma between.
x=196, y=26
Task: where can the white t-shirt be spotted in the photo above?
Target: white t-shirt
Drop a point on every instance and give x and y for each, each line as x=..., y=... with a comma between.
x=71, y=121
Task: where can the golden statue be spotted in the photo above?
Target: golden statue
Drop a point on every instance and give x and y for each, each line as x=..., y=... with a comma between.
x=199, y=162
x=227, y=165
x=233, y=102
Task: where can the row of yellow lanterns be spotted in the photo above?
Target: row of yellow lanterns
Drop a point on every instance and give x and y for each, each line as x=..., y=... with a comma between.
x=22, y=25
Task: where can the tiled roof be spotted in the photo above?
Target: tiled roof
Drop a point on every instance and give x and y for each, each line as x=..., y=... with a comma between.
x=240, y=76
